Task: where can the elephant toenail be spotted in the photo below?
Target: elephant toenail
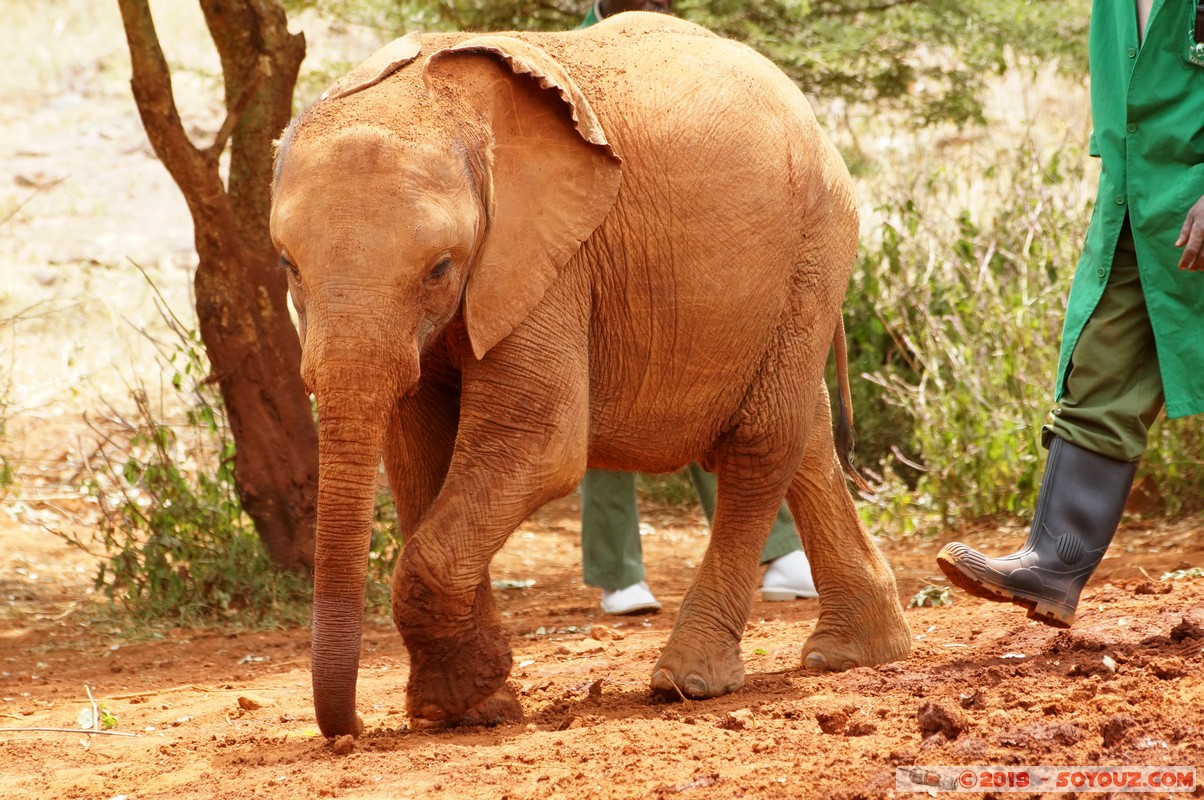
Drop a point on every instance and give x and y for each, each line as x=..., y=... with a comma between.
x=816, y=660
x=694, y=686
x=662, y=681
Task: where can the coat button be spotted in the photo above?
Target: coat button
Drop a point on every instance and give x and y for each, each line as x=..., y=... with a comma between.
x=1131, y=127
x=1132, y=53
x=1120, y=199
x=1101, y=272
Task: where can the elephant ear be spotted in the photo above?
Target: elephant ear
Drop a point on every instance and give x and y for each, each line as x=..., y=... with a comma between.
x=551, y=175
x=376, y=67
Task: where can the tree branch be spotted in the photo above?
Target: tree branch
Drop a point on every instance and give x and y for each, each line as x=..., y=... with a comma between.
x=250, y=85
x=191, y=168
x=852, y=11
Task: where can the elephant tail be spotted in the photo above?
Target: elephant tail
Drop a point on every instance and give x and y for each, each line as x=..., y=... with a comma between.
x=844, y=417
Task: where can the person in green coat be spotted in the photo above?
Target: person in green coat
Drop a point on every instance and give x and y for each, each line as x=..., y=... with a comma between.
x=1133, y=340
x=611, y=554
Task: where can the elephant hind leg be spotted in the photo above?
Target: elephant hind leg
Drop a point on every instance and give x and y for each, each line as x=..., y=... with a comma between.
x=860, y=619
x=702, y=656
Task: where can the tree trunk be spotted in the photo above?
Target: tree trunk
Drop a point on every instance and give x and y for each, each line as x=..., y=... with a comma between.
x=240, y=292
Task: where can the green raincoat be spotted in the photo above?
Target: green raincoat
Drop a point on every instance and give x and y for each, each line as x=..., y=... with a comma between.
x=1147, y=105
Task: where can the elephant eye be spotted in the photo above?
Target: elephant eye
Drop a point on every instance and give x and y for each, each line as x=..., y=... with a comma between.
x=440, y=269
x=289, y=267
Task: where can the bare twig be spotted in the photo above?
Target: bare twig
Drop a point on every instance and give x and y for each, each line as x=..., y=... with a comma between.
x=95, y=710
x=26, y=202
x=67, y=730
x=170, y=690
x=250, y=85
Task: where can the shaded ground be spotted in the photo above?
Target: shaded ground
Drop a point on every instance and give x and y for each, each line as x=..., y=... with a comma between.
x=230, y=715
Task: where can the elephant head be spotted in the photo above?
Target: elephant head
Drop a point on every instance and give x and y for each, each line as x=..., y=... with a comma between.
x=420, y=198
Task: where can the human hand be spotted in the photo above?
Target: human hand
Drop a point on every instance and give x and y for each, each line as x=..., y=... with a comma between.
x=1192, y=236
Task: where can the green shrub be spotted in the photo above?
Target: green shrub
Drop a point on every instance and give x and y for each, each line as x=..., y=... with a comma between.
x=670, y=489
x=1174, y=464
x=383, y=550
x=177, y=547
x=954, y=317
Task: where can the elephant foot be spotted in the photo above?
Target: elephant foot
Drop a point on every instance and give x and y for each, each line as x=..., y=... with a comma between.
x=458, y=661
x=695, y=668
x=499, y=708
x=451, y=675
x=832, y=648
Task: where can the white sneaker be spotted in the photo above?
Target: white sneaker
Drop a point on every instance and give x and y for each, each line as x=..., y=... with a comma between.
x=788, y=578
x=635, y=599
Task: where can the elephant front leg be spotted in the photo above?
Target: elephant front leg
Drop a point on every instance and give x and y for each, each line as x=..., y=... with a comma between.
x=459, y=662
x=702, y=657
x=521, y=441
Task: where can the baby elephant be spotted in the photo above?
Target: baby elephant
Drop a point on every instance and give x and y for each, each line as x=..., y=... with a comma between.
x=518, y=255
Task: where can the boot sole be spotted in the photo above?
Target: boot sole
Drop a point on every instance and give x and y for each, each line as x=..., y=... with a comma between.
x=1038, y=609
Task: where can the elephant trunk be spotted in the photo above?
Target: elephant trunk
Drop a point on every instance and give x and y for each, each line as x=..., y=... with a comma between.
x=353, y=404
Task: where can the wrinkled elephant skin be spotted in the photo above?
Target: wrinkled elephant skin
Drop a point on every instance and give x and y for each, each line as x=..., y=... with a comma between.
x=516, y=255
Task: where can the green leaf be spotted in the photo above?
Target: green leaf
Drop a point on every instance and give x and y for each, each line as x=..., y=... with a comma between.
x=932, y=595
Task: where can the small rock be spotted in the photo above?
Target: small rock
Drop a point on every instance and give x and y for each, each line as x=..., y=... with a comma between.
x=1115, y=729
x=343, y=745
x=737, y=720
x=1146, y=743
x=1149, y=587
x=936, y=718
x=595, y=690
x=765, y=745
x=1168, y=668
x=861, y=727
x=604, y=634
x=1067, y=734
x=971, y=700
x=250, y=703
x=1186, y=629
x=832, y=722
x=969, y=750
x=935, y=741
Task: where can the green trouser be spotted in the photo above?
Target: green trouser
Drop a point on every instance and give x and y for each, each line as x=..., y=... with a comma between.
x=1113, y=386
x=611, y=555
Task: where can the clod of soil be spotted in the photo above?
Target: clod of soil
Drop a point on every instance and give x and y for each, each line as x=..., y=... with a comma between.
x=1115, y=729
x=1186, y=629
x=936, y=718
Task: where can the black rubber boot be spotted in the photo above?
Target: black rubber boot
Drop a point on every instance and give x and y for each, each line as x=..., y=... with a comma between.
x=1082, y=498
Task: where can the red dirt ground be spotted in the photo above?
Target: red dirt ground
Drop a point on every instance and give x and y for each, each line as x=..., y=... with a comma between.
x=229, y=715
